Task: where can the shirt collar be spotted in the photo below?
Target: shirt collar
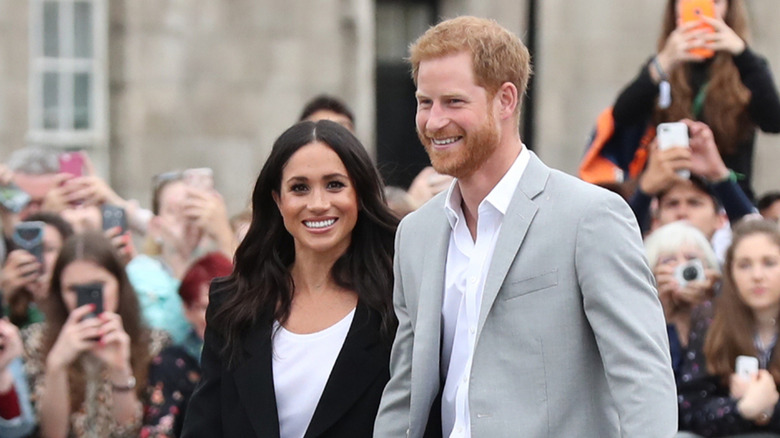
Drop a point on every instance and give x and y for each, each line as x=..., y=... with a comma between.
x=499, y=197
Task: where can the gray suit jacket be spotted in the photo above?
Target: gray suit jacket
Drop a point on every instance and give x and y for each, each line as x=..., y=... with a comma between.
x=571, y=340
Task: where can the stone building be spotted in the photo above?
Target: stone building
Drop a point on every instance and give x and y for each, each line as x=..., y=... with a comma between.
x=152, y=85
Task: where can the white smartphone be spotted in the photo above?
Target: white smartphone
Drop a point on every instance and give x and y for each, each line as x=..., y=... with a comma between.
x=674, y=135
x=746, y=366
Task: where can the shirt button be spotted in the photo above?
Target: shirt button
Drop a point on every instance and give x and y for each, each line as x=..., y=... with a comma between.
x=465, y=379
x=473, y=279
x=459, y=429
x=473, y=329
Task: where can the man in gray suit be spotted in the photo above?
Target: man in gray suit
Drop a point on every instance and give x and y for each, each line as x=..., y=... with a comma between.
x=525, y=305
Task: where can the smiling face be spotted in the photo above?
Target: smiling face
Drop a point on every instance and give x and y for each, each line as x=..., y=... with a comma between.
x=83, y=272
x=756, y=272
x=455, y=116
x=317, y=201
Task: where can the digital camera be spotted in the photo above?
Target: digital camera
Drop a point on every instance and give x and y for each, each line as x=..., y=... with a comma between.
x=691, y=271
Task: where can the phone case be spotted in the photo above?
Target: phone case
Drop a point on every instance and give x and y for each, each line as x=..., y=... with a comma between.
x=693, y=10
x=671, y=135
x=113, y=216
x=29, y=237
x=200, y=178
x=746, y=366
x=90, y=293
x=72, y=163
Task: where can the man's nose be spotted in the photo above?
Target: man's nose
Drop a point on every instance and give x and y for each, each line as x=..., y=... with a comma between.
x=437, y=118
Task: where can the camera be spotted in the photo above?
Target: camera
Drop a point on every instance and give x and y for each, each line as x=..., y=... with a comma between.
x=687, y=272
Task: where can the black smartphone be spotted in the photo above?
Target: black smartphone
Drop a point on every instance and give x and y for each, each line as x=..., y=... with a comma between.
x=29, y=237
x=90, y=293
x=113, y=216
x=12, y=198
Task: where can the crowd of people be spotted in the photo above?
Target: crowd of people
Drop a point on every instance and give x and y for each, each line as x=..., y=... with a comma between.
x=493, y=297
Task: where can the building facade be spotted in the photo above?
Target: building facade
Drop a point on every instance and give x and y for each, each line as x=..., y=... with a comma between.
x=147, y=86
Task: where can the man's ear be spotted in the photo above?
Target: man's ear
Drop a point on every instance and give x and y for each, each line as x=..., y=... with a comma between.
x=507, y=100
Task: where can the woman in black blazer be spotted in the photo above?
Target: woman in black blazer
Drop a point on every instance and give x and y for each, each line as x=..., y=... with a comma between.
x=298, y=337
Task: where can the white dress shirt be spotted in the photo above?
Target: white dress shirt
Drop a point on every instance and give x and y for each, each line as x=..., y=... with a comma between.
x=466, y=270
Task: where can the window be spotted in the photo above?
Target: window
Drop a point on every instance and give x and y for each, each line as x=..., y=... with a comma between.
x=68, y=73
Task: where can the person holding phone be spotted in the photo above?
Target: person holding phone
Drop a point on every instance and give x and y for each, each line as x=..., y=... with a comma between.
x=714, y=399
x=707, y=177
x=298, y=337
x=104, y=375
x=732, y=91
x=24, y=280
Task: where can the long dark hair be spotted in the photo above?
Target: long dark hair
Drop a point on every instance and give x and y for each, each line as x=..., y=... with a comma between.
x=725, y=105
x=733, y=325
x=93, y=246
x=261, y=285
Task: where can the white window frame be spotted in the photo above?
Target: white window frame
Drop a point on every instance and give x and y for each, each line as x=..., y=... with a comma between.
x=96, y=135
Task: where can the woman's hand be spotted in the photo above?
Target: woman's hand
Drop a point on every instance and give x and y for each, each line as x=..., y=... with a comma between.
x=78, y=334
x=113, y=348
x=122, y=242
x=677, y=48
x=760, y=396
x=10, y=343
x=738, y=385
x=723, y=38
x=207, y=211
x=21, y=270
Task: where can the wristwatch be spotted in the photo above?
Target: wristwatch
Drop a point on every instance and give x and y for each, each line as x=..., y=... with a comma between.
x=129, y=385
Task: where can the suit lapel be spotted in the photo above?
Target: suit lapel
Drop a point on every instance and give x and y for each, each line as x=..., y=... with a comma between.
x=357, y=366
x=515, y=225
x=426, y=356
x=255, y=384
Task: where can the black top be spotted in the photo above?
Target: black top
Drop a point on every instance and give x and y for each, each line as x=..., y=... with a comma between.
x=636, y=102
x=706, y=408
x=240, y=401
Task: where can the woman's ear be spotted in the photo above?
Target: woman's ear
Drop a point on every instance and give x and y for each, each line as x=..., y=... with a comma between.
x=275, y=195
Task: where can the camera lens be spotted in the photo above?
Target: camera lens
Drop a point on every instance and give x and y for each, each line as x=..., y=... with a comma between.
x=690, y=273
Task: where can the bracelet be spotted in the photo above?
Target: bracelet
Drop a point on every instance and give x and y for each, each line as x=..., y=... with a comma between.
x=127, y=386
x=659, y=70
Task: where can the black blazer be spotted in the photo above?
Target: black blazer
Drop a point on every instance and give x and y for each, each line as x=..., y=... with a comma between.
x=240, y=402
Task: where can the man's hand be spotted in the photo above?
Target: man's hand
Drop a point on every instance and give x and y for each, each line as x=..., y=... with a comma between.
x=705, y=159
x=662, y=167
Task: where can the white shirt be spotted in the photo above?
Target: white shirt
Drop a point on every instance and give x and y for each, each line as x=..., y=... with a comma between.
x=466, y=271
x=301, y=367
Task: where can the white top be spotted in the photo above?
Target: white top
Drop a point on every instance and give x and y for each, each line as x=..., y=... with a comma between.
x=467, y=266
x=301, y=367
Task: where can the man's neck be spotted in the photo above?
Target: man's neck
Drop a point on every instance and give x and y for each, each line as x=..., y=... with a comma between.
x=475, y=187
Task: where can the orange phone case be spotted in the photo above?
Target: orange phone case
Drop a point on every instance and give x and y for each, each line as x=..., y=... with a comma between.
x=693, y=10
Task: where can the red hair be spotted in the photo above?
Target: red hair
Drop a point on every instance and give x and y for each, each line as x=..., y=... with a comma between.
x=201, y=272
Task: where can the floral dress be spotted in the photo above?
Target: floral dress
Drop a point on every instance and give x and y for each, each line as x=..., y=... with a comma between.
x=172, y=378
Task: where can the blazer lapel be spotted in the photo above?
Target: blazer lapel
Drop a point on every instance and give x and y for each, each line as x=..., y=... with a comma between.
x=361, y=359
x=255, y=384
x=515, y=225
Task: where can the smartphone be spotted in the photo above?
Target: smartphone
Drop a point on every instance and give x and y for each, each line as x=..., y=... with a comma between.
x=746, y=366
x=693, y=10
x=13, y=198
x=674, y=134
x=72, y=163
x=29, y=237
x=113, y=216
x=200, y=178
x=90, y=293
